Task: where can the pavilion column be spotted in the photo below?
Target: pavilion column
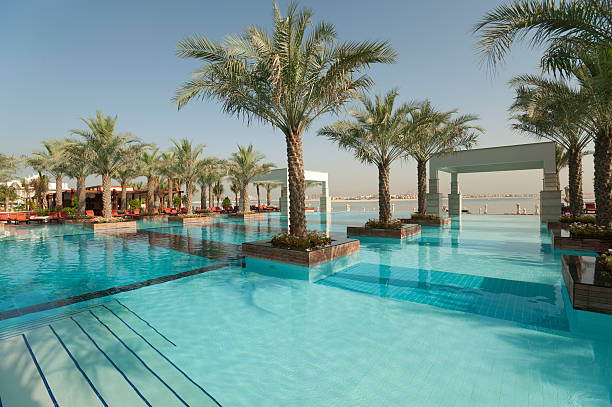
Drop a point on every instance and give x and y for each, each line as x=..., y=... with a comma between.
x=434, y=197
x=550, y=198
x=324, y=200
x=284, y=201
x=454, y=198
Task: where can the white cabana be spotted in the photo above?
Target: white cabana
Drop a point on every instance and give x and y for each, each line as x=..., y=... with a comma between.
x=280, y=176
x=504, y=158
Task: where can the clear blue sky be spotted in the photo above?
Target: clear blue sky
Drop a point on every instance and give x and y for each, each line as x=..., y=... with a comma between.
x=65, y=58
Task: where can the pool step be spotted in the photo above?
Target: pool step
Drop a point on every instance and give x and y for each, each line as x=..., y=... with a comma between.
x=104, y=356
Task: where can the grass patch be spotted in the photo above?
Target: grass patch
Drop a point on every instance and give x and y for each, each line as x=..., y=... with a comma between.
x=312, y=240
x=111, y=220
x=590, y=220
x=424, y=216
x=590, y=232
x=376, y=224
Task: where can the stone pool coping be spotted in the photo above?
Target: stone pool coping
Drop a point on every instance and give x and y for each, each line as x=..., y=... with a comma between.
x=110, y=225
x=263, y=250
x=199, y=219
x=561, y=242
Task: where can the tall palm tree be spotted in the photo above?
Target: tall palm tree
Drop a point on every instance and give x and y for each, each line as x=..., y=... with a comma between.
x=376, y=136
x=9, y=192
x=269, y=188
x=217, y=189
x=189, y=165
x=287, y=78
x=431, y=132
x=553, y=110
x=258, y=185
x=7, y=167
x=78, y=167
x=125, y=174
x=561, y=161
x=149, y=164
x=577, y=37
x=167, y=168
x=235, y=188
x=243, y=166
x=51, y=160
x=107, y=151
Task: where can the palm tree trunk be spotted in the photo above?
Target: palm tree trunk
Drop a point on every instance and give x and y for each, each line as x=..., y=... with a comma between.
x=603, y=176
x=123, y=196
x=384, y=194
x=297, y=197
x=422, y=185
x=170, y=190
x=6, y=201
x=244, y=198
x=202, y=197
x=81, y=195
x=268, y=194
x=236, y=198
x=258, y=200
x=150, y=193
x=575, y=181
x=189, y=197
x=210, y=196
x=59, y=194
x=106, y=195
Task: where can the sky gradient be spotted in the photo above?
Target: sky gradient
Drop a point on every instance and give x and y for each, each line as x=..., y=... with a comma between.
x=65, y=59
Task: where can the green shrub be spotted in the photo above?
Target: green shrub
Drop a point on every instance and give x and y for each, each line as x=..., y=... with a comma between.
x=134, y=204
x=376, y=224
x=573, y=219
x=176, y=201
x=184, y=215
x=205, y=210
x=590, y=232
x=312, y=240
x=43, y=212
x=111, y=220
x=606, y=260
x=226, y=202
x=424, y=216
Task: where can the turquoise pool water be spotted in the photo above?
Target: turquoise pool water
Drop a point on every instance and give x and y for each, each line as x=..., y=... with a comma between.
x=471, y=315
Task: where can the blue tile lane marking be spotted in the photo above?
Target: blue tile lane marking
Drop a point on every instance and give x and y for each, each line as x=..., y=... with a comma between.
x=532, y=304
x=78, y=367
x=40, y=372
x=112, y=363
x=164, y=356
x=139, y=359
x=143, y=320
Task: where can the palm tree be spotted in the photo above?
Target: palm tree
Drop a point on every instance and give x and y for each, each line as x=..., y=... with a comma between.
x=78, y=167
x=287, y=78
x=125, y=174
x=167, y=168
x=25, y=186
x=376, y=136
x=243, y=166
x=430, y=133
x=553, y=110
x=51, y=160
x=257, y=186
x=189, y=165
x=9, y=192
x=561, y=161
x=149, y=164
x=578, y=41
x=235, y=188
x=40, y=185
x=107, y=151
x=7, y=167
x=269, y=188
x=218, y=190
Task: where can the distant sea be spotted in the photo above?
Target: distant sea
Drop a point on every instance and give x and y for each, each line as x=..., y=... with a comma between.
x=495, y=206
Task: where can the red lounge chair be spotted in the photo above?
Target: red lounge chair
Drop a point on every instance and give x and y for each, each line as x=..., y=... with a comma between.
x=173, y=211
x=253, y=207
x=198, y=208
x=114, y=212
x=4, y=217
x=155, y=211
x=90, y=213
x=167, y=211
x=63, y=215
x=590, y=208
x=53, y=216
x=183, y=210
x=19, y=217
x=136, y=212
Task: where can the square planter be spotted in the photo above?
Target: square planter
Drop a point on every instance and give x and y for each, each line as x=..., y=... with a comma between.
x=146, y=217
x=248, y=215
x=562, y=241
x=75, y=221
x=363, y=231
x=263, y=250
x=178, y=219
x=427, y=222
x=588, y=285
x=110, y=226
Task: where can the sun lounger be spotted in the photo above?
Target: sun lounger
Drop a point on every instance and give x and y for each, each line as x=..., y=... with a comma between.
x=114, y=213
x=173, y=212
x=4, y=217
x=167, y=211
x=590, y=208
x=19, y=217
x=90, y=213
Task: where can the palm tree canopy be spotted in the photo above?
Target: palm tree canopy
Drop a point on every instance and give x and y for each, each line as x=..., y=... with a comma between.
x=431, y=132
x=550, y=109
x=149, y=162
x=107, y=151
x=245, y=164
x=75, y=156
x=189, y=163
x=50, y=158
x=286, y=78
x=7, y=167
x=376, y=135
x=559, y=26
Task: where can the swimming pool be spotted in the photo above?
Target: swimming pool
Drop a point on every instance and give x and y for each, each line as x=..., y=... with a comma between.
x=471, y=315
